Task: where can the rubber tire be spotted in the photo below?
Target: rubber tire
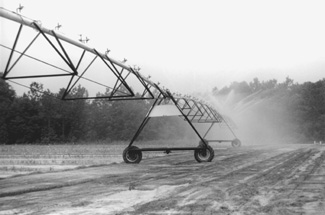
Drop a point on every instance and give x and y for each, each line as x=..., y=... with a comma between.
x=236, y=143
x=130, y=156
x=203, y=153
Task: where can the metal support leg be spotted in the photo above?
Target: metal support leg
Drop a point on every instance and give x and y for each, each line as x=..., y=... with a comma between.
x=233, y=133
x=206, y=133
x=187, y=119
x=144, y=122
x=12, y=51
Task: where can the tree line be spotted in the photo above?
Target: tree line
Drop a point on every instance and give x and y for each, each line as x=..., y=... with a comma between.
x=40, y=116
x=37, y=117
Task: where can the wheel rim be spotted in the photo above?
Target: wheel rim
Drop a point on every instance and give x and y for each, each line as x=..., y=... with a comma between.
x=204, y=154
x=236, y=143
x=132, y=156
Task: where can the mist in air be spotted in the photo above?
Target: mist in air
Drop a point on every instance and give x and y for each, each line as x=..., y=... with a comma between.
x=259, y=118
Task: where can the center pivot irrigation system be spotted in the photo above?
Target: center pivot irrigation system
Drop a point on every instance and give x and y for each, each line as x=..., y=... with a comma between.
x=121, y=77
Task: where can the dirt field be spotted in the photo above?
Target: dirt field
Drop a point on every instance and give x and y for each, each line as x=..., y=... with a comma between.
x=284, y=179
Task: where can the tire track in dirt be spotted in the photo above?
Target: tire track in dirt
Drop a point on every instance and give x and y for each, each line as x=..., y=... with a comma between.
x=246, y=196
x=304, y=193
x=243, y=187
x=191, y=171
x=54, y=180
x=237, y=181
x=217, y=187
x=148, y=176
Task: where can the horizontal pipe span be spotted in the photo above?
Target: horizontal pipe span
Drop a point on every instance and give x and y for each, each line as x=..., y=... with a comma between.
x=219, y=141
x=37, y=76
x=30, y=23
x=166, y=149
x=11, y=15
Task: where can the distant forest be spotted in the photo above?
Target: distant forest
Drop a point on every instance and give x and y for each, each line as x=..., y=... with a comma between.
x=43, y=118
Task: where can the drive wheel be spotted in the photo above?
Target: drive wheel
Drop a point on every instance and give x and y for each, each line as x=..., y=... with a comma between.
x=204, y=153
x=236, y=143
x=132, y=154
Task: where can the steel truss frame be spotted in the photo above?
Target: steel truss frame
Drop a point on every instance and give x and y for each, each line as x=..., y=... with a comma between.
x=120, y=70
x=190, y=110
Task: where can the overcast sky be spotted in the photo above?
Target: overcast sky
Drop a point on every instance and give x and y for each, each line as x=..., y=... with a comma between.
x=197, y=45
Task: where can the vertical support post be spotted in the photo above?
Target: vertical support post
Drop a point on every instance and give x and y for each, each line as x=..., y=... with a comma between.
x=144, y=122
x=12, y=51
x=206, y=133
x=145, y=85
x=233, y=133
x=70, y=64
x=115, y=88
x=82, y=55
x=69, y=88
x=187, y=119
x=116, y=73
x=198, y=110
x=207, y=112
x=54, y=47
x=21, y=55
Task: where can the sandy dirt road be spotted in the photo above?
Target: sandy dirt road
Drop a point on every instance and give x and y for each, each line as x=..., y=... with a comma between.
x=286, y=179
